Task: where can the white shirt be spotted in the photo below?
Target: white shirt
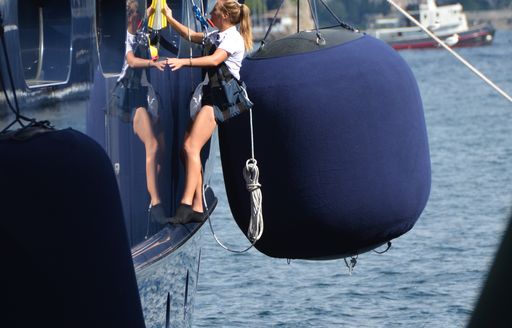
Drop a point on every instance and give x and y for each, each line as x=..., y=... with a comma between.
x=130, y=43
x=232, y=42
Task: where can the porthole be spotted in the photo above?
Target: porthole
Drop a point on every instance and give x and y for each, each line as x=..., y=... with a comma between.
x=111, y=24
x=45, y=41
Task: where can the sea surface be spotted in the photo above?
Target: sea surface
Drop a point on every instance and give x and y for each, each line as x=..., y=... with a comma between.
x=432, y=276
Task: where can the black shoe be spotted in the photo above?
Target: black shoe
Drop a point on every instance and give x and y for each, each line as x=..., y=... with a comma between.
x=198, y=217
x=183, y=214
x=156, y=213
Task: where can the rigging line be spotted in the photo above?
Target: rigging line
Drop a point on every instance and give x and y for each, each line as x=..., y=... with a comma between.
x=342, y=23
x=206, y=210
x=251, y=176
x=462, y=60
x=15, y=109
x=313, y=15
x=331, y=12
x=314, y=12
x=189, y=44
x=319, y=38
x=272, y=23
x=298, y=16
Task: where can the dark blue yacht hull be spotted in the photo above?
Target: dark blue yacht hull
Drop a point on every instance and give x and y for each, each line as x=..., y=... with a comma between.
x=65, y=58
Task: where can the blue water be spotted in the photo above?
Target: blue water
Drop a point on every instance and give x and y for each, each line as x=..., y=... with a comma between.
x=432, y=275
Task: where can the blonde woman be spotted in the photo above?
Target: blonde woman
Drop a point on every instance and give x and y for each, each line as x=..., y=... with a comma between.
x=225, y=48
x=134, y=75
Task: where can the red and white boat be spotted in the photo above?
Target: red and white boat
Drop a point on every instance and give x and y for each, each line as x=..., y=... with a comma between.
x=448, y=22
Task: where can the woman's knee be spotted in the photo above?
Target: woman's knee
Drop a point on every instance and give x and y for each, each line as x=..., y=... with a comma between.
x=190, y=148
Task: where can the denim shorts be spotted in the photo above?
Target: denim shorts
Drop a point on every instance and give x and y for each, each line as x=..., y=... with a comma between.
x=125, y=101
x=213, y=97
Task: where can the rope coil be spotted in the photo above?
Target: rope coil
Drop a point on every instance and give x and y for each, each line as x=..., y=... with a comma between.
x=251, y=175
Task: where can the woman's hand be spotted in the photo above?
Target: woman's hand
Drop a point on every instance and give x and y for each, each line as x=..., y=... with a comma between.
x=167, y=11
x=150, y=11
x=160, y=64
x=176, y=63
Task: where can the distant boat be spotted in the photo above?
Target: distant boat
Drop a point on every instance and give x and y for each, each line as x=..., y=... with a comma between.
x=448, y=22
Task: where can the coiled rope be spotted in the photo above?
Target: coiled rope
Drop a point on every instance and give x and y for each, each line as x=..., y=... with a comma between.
x=251, y=175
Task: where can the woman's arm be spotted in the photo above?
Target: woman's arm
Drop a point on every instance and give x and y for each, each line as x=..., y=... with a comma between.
x=196, y=37
x=136, y=62
x=217, y=58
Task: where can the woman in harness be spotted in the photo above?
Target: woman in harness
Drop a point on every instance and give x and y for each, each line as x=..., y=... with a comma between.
x=225, y=47
x=134, y=77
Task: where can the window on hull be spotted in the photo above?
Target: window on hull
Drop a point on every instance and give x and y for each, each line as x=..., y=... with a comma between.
x=111, y=25
x=45, y=41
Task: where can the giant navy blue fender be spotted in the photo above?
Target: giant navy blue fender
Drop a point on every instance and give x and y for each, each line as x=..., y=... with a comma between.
x=341, y=144
x=67, y=260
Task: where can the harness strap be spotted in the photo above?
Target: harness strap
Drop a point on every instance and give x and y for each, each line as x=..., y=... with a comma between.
x=218, y=73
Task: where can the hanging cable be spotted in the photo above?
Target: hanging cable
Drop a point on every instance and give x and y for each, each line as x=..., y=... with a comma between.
x=352, y=264
x=384, y=251
x=15, y=109
x=271, y=24
x=215, y=235
x=19, y=118
x=189, y=45
x=342, y=24
x=319, y=38
x=444, y=45
x=251, y=176
x=298, y=16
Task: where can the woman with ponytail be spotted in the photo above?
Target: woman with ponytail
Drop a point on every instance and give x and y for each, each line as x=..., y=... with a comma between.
x=224, y=51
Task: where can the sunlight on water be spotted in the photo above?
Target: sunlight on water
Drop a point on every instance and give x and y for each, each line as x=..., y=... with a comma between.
x=432, y=276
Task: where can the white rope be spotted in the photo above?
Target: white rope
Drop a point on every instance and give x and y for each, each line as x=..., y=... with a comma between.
x=251, y=175
x=444, y=45
x=217, y=239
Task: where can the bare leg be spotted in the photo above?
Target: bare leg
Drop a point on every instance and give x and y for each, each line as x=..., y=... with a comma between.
x=198, y=194
x=142, y=126
x=202, y=129
x=197, y=203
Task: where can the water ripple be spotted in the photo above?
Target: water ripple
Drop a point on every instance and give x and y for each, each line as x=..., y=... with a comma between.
x=432, y=276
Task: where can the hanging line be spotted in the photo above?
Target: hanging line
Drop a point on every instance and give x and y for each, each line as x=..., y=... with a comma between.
x=198, y=15
x=253, y=242
x=352, y=264
x=315, y=17
x=384, y=251
x=272, y=24
x=19, y=118
x=462, y=60
x=312, y=8
x=16, y=108
x=251, y=176
x=342, y=23
x=298, y=16
x=189, y=46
